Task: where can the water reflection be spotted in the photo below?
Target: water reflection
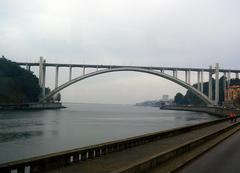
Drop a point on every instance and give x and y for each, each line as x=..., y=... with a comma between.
x=14, y=136
x=20, y=124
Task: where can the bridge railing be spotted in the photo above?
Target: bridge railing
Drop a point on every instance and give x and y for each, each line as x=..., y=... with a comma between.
x=65, y=158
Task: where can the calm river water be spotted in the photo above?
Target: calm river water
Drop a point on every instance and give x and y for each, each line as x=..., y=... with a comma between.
x=26, y=134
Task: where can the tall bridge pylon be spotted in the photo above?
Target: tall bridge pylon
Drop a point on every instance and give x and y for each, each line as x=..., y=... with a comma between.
x=157, y=71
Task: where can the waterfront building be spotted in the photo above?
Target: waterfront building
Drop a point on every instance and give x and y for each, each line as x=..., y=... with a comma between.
x=231, y=94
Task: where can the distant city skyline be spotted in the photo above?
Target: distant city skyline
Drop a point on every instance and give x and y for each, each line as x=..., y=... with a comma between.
x=173, y=33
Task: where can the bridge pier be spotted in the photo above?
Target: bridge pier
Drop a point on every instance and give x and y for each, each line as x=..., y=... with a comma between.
x=175, y=73
x=44, y=81
x=224, y=84
x=198, y=80
x=202, y=81
x=28, y=67
x=237, y=75
x=217, y=84
x=84, y=70
x=42, y=75
x=210, y=83
x=228, y=79
x=56, y=76
x=70, y=73
x=186, y=73
x=40, y=71
x=189, y=77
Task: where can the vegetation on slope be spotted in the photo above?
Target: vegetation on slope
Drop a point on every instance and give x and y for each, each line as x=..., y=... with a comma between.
x=191, y=99
x=17, y=85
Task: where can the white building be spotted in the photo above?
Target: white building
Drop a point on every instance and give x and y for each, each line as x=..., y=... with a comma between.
x=165, y=98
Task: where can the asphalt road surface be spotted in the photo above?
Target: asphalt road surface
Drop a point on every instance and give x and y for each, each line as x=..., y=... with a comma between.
x=224, y=158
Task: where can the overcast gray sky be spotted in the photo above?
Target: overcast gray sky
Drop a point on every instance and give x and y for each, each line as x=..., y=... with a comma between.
x=179, y=33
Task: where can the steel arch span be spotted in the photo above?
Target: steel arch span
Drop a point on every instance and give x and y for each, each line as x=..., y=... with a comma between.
x=203, y=97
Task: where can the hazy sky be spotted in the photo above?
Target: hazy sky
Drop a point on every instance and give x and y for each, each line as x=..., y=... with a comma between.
x=185, y=33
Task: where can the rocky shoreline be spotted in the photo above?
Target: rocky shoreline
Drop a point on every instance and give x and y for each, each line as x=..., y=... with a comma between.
x=31, y=106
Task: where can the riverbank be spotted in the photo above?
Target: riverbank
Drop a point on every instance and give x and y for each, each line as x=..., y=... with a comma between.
x=31, y=106
x=26, y=134
x=213, y=110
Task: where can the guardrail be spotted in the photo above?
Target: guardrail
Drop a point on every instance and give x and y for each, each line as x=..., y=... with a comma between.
x=154, y=161
x=65, y=158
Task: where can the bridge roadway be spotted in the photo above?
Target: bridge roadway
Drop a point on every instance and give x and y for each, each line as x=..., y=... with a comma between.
x=118, y=160
x=121, y=66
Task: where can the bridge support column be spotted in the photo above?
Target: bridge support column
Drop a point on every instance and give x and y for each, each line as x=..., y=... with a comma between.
x=237, y=75
x=210, y=83
x=189, y=77
x=44, y=80
x=186, y=73
x=42, y=75
x=56, y=76
x=217, y=84
x=198, y=80
x=228, y=82
x=228, y=79
x=202, y=81
x=70, y=73
x=40, y=71
x=28, y=67
x=224, y=84
x=175, y=73
x=83, y=70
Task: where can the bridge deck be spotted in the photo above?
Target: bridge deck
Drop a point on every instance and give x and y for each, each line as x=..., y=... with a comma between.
x=121, y=66
x=118, y=160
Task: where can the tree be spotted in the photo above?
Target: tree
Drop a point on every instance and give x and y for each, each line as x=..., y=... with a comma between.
x=14, y=78
x=191, y=98
x=58, y=97
x=179, y=98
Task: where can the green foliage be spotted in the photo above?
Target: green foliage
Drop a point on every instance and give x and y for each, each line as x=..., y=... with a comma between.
x=191, y=99
x=8, y=85
x=179, y=98
x=17, y=84
x=58, y=97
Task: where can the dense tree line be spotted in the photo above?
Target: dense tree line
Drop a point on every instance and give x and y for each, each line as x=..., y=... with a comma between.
x=17, y=84
x=191, y=99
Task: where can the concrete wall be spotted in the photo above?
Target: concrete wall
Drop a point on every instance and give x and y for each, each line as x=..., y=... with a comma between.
x=216, y=111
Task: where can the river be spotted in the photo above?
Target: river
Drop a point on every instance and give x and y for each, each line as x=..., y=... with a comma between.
x=25, y=134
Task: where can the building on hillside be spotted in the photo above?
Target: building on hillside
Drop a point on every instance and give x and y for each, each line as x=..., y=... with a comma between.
x=232, y=93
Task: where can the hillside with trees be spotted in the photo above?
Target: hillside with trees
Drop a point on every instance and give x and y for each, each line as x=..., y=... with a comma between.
x=191, y=99
x=17, y=85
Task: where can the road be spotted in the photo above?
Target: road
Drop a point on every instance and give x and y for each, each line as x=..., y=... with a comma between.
x=224, y=158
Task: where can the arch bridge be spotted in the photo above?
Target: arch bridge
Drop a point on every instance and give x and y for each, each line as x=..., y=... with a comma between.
x=157, y=71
